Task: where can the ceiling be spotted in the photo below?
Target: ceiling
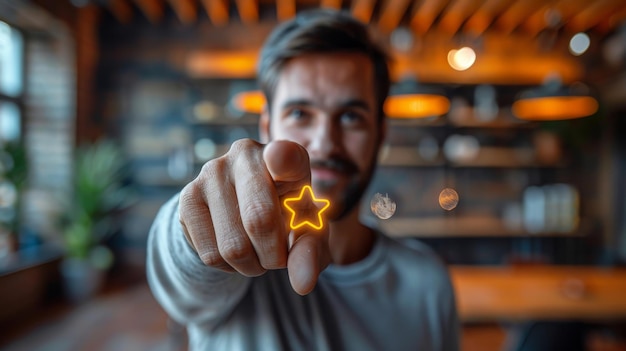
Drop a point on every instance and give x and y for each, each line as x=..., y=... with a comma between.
x=517, y=42
x=472, y=17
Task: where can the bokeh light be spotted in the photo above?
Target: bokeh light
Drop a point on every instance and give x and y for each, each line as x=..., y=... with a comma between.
x=204, y=149
x=448, y=199
x=461, y=59
x=382, y=206
x=579, y=44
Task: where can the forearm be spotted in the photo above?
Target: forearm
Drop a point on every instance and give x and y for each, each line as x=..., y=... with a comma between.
x=187, y=289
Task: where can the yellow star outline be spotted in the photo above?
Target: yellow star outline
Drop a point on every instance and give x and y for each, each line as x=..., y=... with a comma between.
x=320, y=224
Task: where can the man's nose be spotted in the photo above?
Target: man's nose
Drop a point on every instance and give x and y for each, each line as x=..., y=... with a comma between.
x=326, y=139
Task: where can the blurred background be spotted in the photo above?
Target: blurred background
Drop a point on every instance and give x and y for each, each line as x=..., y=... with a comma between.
x=506, y=153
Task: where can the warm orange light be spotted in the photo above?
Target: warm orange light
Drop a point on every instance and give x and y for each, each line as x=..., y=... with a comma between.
x=222, y=64
x=461, y=59
x=249, y=101
x=297, y=201
x=555, y=107
x=416, y=105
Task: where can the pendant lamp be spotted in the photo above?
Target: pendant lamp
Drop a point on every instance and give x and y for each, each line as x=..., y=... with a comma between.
x=408, y=99
x=251, y=101
x=552, y=101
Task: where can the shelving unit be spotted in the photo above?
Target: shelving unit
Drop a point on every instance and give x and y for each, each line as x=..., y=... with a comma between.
x=487, y=157
x=462, y=226
x=489, y=181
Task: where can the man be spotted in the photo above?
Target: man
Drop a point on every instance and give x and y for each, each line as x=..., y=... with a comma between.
x=222, y=258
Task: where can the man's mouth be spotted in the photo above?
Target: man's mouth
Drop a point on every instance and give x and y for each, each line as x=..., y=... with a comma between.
x=334, y=165
x=325, y=174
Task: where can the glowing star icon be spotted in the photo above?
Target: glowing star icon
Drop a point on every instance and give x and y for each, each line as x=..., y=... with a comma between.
x=297, y=203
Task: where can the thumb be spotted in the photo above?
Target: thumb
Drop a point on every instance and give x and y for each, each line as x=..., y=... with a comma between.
x=308, y=257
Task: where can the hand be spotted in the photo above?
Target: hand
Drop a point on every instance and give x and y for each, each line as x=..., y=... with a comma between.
x=232, y=213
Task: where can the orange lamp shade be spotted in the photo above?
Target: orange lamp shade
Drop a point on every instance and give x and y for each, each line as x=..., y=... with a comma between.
x=554, y=107
x=249, y=101
x=416, y=105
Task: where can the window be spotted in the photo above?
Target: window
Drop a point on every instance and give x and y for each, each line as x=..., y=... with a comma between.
x=11, y=53
x=11, y=82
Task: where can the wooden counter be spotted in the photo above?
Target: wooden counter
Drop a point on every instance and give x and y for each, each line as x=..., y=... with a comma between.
x=539, y=293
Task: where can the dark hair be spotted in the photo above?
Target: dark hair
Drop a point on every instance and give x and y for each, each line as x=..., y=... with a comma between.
x=318, y=31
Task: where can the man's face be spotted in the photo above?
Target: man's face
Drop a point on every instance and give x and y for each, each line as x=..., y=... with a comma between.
x=326, y=103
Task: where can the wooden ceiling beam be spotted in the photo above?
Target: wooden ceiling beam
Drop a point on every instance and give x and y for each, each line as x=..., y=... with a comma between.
x=391, y=14
x=217, y=10
x=152, y=9
x=185, y=10
x=248, y=11
x=539, y=20
x=285, y=9
x=121, y=10
x=363, y=9
x=568, y=8
x=516, y=13
x=480, y=20
x=592, y=15
x=455, y=14
x=612, y=21
x=331, y=4
x=425, y=13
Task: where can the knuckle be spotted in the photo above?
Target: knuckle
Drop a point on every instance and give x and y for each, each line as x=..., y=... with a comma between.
x=258, y=218
x=242, y=145
x=235, y=251
x=211, y=258
x=211, y=169
x=188, y=195
x=213, y=175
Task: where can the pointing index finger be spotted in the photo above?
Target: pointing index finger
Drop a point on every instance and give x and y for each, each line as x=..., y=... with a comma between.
x=287, y=162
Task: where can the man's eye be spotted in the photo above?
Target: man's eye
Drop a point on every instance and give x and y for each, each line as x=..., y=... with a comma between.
x=351, y=117
x=296, y=113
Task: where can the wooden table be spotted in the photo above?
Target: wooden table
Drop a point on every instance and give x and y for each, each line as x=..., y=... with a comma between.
x=539, y=293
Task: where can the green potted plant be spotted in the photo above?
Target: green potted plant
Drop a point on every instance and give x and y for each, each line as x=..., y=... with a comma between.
x=98, y=193
x=13, y=175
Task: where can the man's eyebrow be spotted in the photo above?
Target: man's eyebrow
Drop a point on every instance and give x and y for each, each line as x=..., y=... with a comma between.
x=355, y=103
x=296, y=102
x=352, y=103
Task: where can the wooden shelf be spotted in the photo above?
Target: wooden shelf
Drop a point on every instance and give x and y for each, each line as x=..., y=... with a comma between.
x=496, y=124
x=468, y=226
x=417, y=122
x=487, y=157
x=465, y=119
x=246, y=120
x=504, y=157
x=406, y=156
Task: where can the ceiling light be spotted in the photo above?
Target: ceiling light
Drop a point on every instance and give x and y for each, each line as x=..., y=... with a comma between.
x=249, y=101
x=553, y=102
x=408, y=99
x=461, y=59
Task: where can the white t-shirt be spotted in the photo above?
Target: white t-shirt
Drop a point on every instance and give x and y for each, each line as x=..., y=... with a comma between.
x=398, y=298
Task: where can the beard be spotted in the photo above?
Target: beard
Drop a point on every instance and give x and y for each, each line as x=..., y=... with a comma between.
x=351, y=196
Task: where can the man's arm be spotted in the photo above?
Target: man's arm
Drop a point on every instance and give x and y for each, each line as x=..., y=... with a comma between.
x=189, y=290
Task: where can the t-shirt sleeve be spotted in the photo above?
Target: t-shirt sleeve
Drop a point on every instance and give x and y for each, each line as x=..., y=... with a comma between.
x=188, y=290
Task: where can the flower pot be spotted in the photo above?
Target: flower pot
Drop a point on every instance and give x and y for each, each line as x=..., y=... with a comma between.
x=81, y=280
